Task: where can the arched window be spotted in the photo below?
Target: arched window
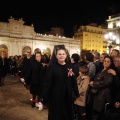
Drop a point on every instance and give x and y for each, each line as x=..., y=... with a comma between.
x=4, y=49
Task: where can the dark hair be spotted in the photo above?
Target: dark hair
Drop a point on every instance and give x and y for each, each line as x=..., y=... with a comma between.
x=37, y=50
x=112, y=66
x=54, y=53
x=45, y=58
x=105, y=54
x=75, y=57
x=89, y=56
x=37, y=53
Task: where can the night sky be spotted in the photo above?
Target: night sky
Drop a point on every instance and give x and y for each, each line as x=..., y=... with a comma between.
x=58, y=13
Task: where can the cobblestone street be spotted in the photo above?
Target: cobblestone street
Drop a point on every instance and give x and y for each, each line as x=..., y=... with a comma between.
x=15, y=102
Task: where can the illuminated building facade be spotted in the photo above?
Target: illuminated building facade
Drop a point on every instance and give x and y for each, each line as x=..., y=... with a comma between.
x=92, y=38
x=114, y=27
x=17, y=39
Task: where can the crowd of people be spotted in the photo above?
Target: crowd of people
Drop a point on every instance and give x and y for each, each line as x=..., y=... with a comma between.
x=82, y=87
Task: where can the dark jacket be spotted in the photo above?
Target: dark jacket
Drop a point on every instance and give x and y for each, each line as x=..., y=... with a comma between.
x=102, y=82
x=4, y=67
x=35, y=77
x=25, y=67
x=116, y=83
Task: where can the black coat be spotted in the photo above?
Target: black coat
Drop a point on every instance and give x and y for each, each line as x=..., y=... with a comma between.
x=76, y=69
x=35, y=77
x=25, y=67
x=58, y=89
x=116, y=84
x=4, y=67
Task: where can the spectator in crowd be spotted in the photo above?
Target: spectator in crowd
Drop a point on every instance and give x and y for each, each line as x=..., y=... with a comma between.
x=116, y=74
x=96, y=60
x=82, y=59
x=92, y=70
x=19, y=64
x=12, y=63
x=35, y=51
x=75, y=62
x=83, y=81
x=25, y=66
x=102, y=56
x=113, y=113
x=114, y=53
x=102, y=84
x=88, y=57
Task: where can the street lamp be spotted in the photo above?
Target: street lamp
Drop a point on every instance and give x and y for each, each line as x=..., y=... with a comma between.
x=110, y=37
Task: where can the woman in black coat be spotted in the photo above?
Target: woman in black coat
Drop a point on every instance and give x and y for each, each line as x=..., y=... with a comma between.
x=58, y=86
x=35, y=78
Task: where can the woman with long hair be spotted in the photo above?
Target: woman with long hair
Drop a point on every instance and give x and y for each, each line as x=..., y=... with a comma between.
x=102, y=84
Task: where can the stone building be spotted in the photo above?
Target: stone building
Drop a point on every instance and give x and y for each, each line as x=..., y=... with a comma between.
x=17, y=39
x=113, y=22
x=92, y=38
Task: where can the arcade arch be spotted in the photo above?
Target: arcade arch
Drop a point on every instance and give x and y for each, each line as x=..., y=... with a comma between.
x=4, y=49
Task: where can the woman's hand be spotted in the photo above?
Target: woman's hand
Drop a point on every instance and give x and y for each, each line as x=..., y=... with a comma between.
x=91, y=83
x=112, y=71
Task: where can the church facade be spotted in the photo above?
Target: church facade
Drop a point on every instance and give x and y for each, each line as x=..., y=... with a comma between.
x=18, y=39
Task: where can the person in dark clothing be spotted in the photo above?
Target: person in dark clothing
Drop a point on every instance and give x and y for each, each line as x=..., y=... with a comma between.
x=102, y=84
x=75, y=62
x=96, y=60
x=35, y=78
x=114, y=112
x=88, y=57
x=82, y=60
x=4, y=68
x=12, y=63
x=35, y=51
x=58, y=85
x=25, y=66
x=115, y=89
x=102, y=56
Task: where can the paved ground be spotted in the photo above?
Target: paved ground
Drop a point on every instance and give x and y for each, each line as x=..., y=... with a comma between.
x=15, y=102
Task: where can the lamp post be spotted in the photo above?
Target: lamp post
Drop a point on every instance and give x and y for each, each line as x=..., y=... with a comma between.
x=110, y=37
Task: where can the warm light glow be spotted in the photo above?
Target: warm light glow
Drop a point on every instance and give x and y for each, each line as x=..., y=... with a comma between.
x=118, y=23
x=110, y=34
x=110, y=37
x=78, y=50
x=106, y=36
x=110, y=25
x=114, y=37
